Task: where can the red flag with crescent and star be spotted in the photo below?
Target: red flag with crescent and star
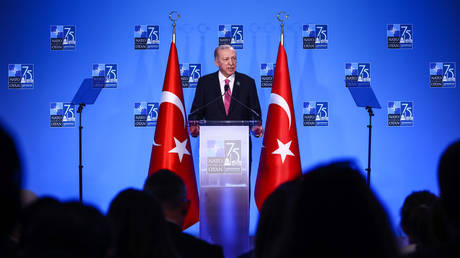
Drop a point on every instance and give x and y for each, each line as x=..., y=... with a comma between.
x=279, y=159
x=171, y=145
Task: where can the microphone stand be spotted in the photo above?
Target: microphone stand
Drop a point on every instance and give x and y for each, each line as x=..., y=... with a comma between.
x=368, y=169
x=80, y=166
x=207, y=104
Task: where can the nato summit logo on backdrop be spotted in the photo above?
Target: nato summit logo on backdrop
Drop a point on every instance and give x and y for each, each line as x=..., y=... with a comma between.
x=145, y=114
x=189, y=74
x=63, y=37
x=400, y=113
x=267, y=71
x=20, y=76
x=442, y=75
x=62, y=114
x=357, y=74
x=105, y=75
x=146, y=37
x=231, y=35
x=315, y=113
x=314, y=36
x=399, y=36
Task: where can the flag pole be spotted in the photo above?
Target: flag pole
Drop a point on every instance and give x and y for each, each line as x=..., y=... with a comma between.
x=174, y=16
x=282, y=16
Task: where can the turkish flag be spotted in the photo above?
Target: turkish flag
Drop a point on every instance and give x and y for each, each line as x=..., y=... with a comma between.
x=279, y=159
x=171, y=146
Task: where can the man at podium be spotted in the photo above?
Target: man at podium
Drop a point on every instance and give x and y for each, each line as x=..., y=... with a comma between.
x=225, y=94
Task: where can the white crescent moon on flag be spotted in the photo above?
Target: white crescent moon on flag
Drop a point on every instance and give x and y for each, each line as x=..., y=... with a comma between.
x=170, y=97
x=280, y=101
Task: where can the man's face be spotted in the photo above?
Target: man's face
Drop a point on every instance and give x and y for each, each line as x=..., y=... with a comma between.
x=226, y=61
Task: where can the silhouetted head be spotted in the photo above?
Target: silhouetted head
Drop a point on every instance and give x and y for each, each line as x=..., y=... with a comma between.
x=139, y=227
x=335, y=214
x=10, y=183
x=417, y=218
x=170, y=190
x=449, y=182
x=273, y=217
x=54, y=229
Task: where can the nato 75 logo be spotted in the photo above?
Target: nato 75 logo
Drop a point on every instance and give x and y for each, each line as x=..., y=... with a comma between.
x=357, y=74
x=400, y=36
x=232, y=161
x=190, y=74
x=105, y=75
x=314, y=36
x=267, y=71
x=442, y=75
x=400, y=113
x=146, y=37
x=20, y=76
x=315, y=113
x=145, y=114
x=231, y=35
x=62, y=114
x=63, y=37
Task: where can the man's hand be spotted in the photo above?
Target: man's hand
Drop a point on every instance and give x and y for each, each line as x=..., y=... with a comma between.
x=258, y=130
x=194, y=128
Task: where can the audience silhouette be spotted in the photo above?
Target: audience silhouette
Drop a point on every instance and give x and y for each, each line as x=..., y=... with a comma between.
x=272, y=218
x=335, y=214
x=10, y=185
x=138, y=225
x=170, y=190
x=328, y=212
x=420, y=222
x=52, y=230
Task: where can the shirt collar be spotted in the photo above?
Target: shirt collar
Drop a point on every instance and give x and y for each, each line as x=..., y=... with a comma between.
x=222, y=77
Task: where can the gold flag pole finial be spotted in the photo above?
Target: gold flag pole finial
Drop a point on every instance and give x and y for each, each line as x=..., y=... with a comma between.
x=282, y=16
x=174, y=16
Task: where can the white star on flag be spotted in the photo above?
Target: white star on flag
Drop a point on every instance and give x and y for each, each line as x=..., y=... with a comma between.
x=283, y=150
x=180, y=149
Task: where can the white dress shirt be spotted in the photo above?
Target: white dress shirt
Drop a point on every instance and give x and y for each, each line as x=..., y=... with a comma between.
x=222, y=78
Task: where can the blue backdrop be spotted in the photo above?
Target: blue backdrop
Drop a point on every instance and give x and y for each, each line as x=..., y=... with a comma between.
x=116, y=154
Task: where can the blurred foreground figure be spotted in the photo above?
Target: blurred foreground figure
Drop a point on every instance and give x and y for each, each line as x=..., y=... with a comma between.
x=138, y=225
x=335, y=214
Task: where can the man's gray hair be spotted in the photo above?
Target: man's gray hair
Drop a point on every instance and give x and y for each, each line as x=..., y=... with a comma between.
x=221, y=47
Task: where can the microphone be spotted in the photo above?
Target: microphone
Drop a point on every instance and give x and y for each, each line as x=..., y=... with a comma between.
x=210, y=102
x=242, y=104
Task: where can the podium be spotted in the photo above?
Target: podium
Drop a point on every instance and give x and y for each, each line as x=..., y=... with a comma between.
x=224, y=184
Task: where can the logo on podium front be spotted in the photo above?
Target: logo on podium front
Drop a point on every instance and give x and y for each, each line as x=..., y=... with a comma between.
x=267, y=71
x=314, y=36
x=399, y=36
x=145, y=114
x=315, y=113
x=146, y=37
x=62, y=114
x=189, y=74
x=224, y=156
x=400, y=113
x=105, y=75
x=63, y=37
x=231, y=35
x=20, y=76
x=357, y=74
x=442, y=75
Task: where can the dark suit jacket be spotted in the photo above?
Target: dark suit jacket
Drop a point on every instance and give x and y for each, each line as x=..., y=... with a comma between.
x=190, y=246
x=208, y=93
